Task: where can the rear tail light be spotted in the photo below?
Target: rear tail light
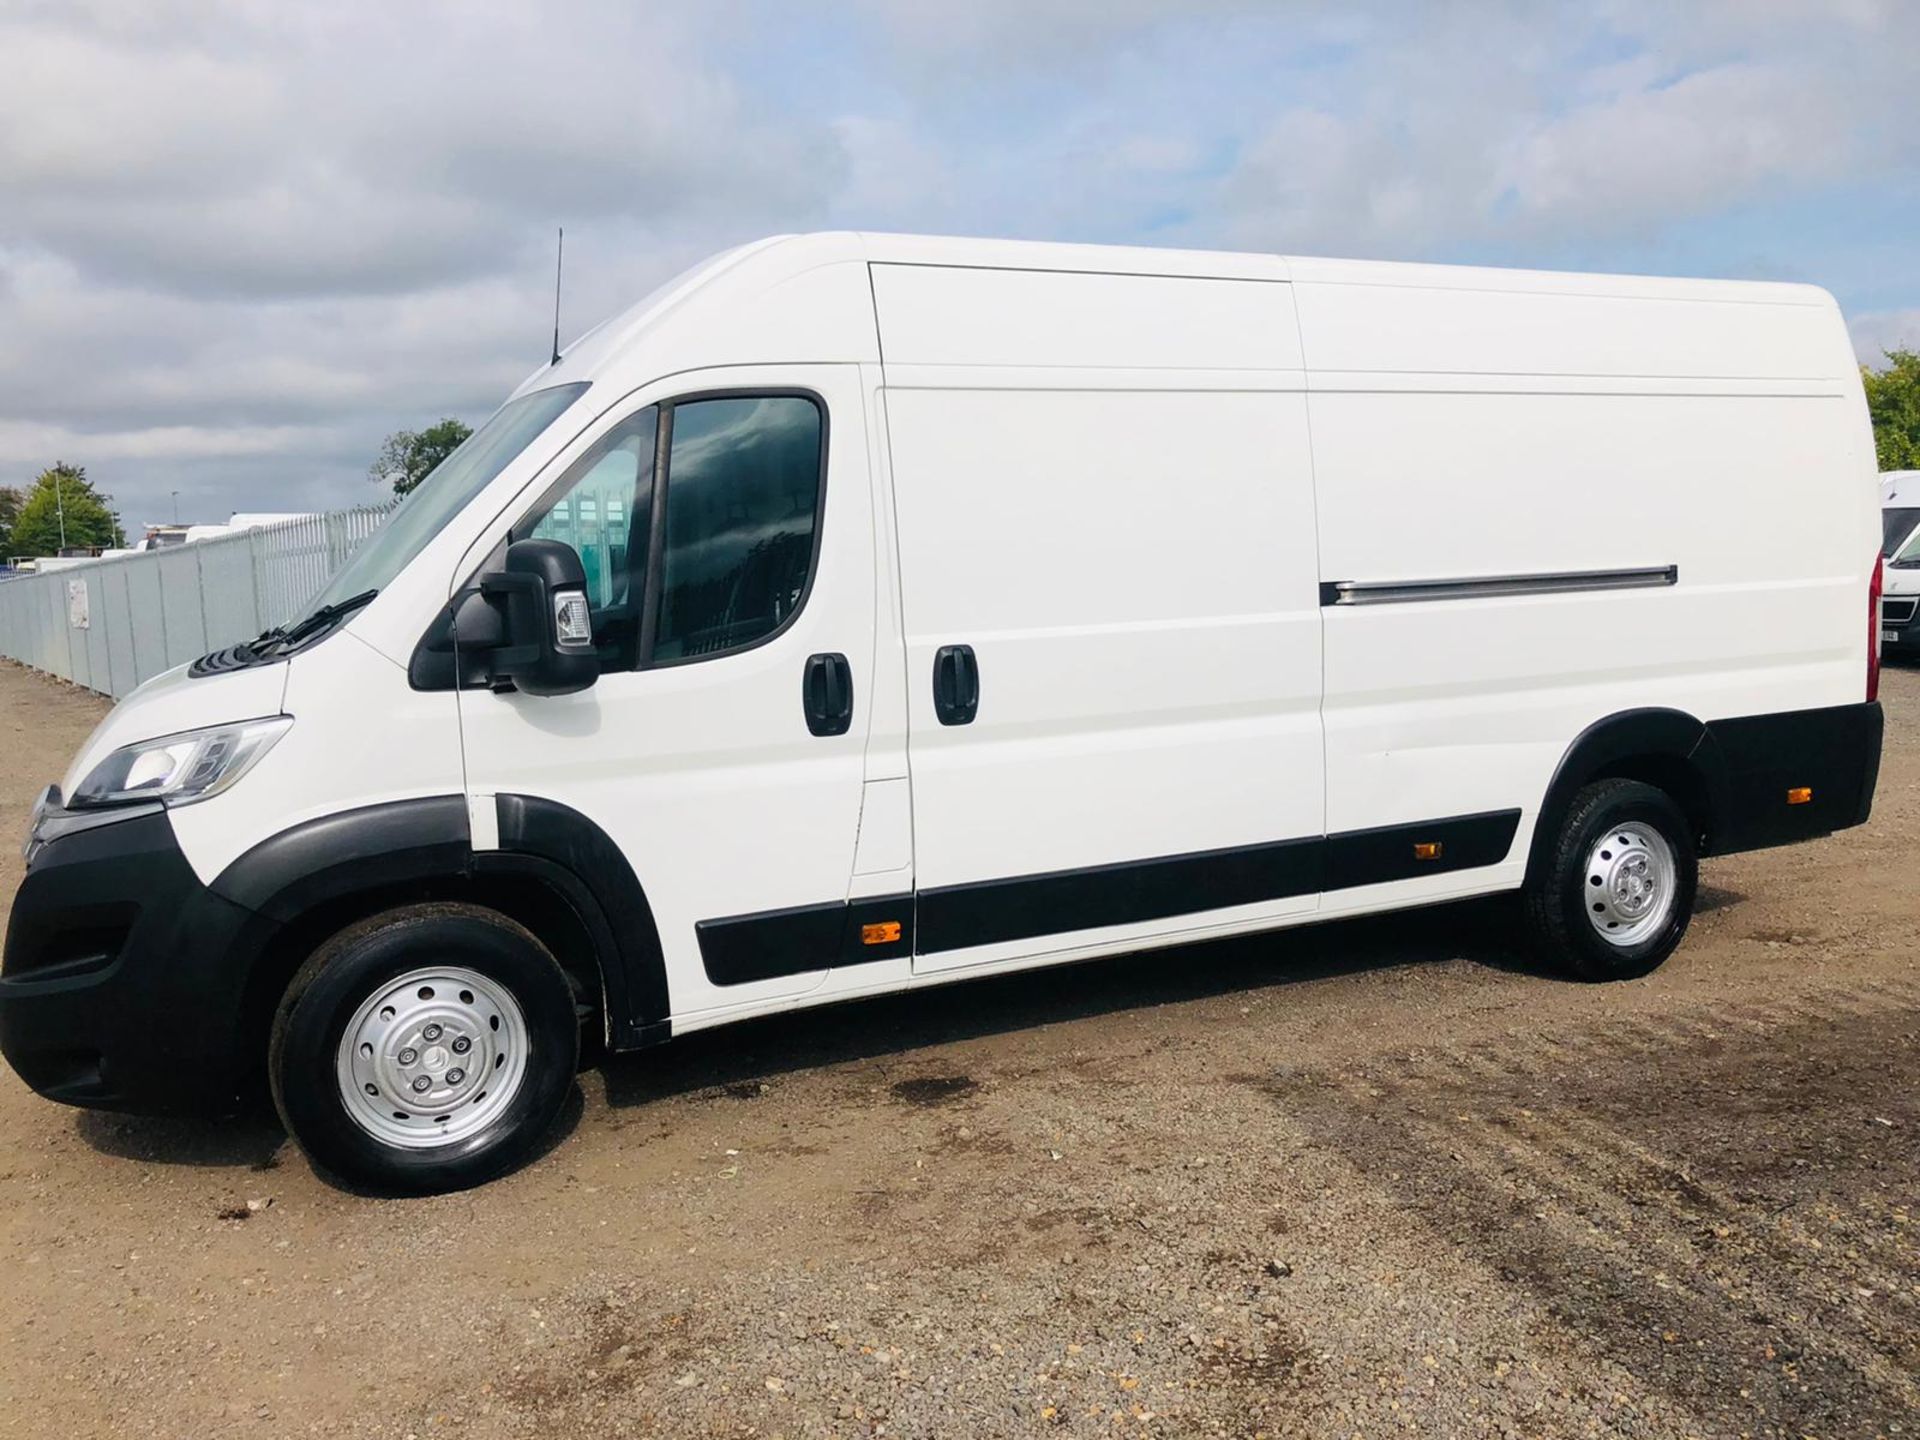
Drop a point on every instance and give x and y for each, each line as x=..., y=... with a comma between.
x=1873, y=627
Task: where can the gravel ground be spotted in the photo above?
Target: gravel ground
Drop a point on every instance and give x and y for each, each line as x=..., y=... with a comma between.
x=1373, y=1179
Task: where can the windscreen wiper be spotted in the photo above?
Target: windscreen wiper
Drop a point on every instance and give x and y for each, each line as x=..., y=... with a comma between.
x=286, y=636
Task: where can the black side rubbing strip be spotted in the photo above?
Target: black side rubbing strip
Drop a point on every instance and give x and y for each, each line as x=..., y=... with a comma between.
x=955, y=917
x=741, y=948
x=1479, y=587
x=773, y=943
x=1372, y=857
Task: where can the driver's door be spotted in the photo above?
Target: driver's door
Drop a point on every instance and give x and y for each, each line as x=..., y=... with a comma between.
x=725, y=530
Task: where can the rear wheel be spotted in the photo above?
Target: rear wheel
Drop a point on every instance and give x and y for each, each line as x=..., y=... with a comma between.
x=426, y=1049
x=1616, y=894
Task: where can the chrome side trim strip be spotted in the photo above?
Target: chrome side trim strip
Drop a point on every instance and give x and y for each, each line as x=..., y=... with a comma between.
x=1400, y=592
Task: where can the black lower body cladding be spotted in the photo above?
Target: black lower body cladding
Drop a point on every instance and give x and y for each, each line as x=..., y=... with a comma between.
x=1753, y=761
x=125, y=977
x=130, y=985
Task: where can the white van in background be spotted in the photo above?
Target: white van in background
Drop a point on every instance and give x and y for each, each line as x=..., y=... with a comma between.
x=859, y=613
x=1899, y=509
x=1900, y=543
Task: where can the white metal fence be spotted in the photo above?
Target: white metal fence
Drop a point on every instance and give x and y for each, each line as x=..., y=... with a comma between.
x=110, y=624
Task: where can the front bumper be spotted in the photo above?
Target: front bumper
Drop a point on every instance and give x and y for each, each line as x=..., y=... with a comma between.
x=1900, y=622
x=124, y=981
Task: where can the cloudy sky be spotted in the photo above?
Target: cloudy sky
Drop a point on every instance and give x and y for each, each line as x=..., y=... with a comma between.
x=241, y=240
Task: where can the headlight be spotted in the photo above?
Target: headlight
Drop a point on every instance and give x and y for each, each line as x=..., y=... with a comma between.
x=179, y=769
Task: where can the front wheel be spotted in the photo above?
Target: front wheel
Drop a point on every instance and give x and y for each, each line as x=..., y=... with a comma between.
x=426, y=1049
x=1616, y=894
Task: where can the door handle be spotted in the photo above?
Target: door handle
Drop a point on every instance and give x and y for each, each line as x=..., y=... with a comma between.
x=956, y=684
x=826, y=694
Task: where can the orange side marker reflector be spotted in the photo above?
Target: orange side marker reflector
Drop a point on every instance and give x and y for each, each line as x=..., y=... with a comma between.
x=1427, y=849
x=1800, y=795
x=885, y=933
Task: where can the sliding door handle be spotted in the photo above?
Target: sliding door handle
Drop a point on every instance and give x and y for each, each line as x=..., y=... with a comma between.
x=956, y=685
x=826, y=693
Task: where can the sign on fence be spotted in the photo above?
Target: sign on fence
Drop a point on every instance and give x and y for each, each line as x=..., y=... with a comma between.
x=77, y=604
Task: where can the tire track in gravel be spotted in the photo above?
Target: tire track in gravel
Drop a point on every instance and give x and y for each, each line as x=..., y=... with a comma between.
x=1717, y=1201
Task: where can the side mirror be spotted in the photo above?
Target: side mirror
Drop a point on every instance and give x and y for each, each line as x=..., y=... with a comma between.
x=548, y=647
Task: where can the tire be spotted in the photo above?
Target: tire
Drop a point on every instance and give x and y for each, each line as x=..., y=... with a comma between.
x=465, y=1048
x=1616, y=894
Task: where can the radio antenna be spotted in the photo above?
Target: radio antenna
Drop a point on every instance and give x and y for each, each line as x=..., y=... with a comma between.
x=559, y=256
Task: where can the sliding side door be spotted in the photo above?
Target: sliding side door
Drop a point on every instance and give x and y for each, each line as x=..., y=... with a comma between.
x=1106, y=535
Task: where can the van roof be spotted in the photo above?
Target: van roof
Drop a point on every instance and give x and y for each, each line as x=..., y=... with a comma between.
x=789, y=296
x=884, y=248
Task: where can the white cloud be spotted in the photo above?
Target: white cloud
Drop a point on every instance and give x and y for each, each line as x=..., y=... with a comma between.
x=240, y=240
x=23, y=442
x=1033, y=31
x=315, y=150
x=1657, y=151
x=1877, y=332
x=1482, y=124
x=245, y=231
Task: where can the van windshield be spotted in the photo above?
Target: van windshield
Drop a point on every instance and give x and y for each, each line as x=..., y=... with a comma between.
x=443, y=494
x=1909, y=558
x=1896, y=525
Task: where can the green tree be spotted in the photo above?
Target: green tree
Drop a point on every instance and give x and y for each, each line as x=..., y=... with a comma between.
x=64, y=490
x=409, y=456
x=10, y=501
x=1893, y=399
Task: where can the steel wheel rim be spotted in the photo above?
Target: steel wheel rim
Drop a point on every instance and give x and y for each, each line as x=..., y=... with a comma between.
x=1629, y=884
x=432, y=1057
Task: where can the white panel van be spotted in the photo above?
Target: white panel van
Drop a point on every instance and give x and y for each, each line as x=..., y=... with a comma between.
x=861, y=612
x=1900, y=543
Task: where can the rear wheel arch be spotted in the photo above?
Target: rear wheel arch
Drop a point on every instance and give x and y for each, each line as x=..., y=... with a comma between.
x=1668, y=749
x=1616, y=895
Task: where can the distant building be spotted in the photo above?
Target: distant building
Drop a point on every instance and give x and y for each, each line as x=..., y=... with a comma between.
x=163, y=537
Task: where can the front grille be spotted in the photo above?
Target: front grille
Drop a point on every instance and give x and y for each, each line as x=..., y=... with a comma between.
x=1897, y=610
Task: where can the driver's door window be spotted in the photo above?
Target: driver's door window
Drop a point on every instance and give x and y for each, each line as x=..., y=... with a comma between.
x=742, y=501
x=602, y=510
x=735, y=536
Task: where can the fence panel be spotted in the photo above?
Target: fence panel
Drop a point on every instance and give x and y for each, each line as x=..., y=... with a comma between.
x=179, y=572
x=122, y=673
x=147, y=610
x=110, y=624
x=94, y=634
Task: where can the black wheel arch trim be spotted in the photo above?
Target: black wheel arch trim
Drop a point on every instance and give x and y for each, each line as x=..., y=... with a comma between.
x=371, y=847
x=547, y=830
x=1740, y=769
x=1651, y=732
x=377, y=847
